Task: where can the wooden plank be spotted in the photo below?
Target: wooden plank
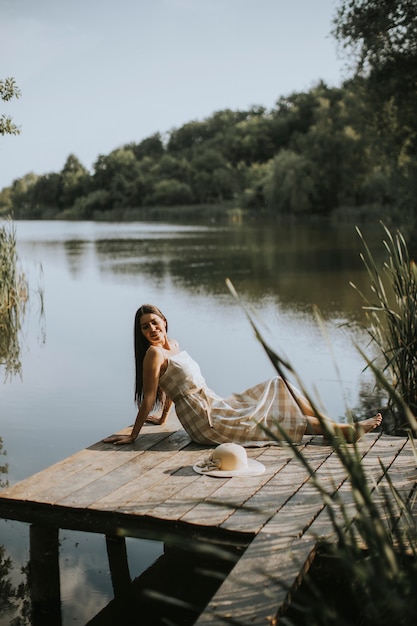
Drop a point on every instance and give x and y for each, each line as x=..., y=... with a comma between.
x=88, y=489
x=182, y=504
x=149, y=487
x=252, y=592
x=54, y=488
x=276, y=574
x=307, y=503
x=392, y=450
x=217, y=507
x=65, y=470
x=218, y=498
x=82, y=468
x=170, y=497
x=281, y=487
x=28, y=487
x=123, y=499
x=276, y=559
x=160, y=484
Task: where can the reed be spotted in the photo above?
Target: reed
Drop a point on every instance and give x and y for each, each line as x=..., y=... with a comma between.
x=391, y=320
x=373, y=553
x=13, y=299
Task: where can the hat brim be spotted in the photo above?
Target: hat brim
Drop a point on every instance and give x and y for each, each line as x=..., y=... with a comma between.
x=253, y=468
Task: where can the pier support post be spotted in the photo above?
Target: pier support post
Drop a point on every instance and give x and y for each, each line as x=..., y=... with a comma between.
x=44, y=576
x=119, y=567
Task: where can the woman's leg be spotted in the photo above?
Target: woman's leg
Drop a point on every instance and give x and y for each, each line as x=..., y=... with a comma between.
x=350, y=432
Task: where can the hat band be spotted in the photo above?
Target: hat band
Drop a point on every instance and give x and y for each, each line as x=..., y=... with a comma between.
x=209, y=464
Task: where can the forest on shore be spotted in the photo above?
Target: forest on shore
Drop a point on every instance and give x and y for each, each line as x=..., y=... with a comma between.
x=331, y=149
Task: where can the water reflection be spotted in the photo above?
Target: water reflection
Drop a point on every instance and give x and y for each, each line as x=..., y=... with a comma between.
x=15, y=605
x=14, y=597
x=4, y=467
x=99, y=273
x=298, y=265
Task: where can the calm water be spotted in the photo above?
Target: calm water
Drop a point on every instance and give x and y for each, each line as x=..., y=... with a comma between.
x=77, y=361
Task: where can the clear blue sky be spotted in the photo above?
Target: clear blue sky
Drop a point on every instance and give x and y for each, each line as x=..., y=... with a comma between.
x=97, y=74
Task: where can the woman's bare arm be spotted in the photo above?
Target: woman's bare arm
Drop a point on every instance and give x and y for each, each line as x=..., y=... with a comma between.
x=151, y=367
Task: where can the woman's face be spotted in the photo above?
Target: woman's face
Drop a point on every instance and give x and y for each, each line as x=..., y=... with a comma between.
x=153, y=328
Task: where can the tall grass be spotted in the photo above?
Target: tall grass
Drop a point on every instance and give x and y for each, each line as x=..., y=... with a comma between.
x=373, y=553
x=391, y=315
x=13, y=299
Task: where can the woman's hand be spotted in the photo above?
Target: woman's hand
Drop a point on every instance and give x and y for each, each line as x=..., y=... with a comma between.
x=119, y=439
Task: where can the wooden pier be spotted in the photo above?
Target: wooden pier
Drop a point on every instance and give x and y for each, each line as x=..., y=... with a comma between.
x=270, y=524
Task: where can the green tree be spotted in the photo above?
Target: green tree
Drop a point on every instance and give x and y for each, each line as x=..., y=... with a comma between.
x=172, y=167
x=380, y=39
x=210, y=132
x=45, y=195
x=296, y=112
x=74, y=181
x=150, y=147
x=250, y=140
x=252, y=183
x=289, y=186
x=85, y=207
x=8, y=90
x=6, y=202
x=212, y=177
x=22, y=196
x=333, y=148
x=378, y=32
x=117, y=174
x=170, y=192
x=219, y=123
x=187, y=137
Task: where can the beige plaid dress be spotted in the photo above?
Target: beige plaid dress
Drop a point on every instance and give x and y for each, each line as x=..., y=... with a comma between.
x=210, y=419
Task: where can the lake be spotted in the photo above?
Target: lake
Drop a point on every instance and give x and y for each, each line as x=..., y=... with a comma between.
x=76, y=382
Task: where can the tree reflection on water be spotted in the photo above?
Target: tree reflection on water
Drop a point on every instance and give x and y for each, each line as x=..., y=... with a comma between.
x=14, y=599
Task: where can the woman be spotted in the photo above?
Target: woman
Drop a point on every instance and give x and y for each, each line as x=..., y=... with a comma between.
x=165, y=374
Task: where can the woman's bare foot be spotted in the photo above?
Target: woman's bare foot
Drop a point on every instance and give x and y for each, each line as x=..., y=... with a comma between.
x=365, y=426
x=153, y=419
x=349, y=432
x=353, y=432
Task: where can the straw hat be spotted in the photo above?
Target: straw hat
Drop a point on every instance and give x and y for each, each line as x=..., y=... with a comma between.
x=229, y=459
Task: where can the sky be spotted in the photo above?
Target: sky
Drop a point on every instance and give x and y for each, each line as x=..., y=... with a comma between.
x=95, y=75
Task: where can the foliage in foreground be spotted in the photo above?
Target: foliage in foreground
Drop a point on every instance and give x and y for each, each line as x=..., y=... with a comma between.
x=13, y=298
x=391, y=314
x=375, y=546
x=8, y=90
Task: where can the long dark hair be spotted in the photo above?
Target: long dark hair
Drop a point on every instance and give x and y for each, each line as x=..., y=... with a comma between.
x=141, y=344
